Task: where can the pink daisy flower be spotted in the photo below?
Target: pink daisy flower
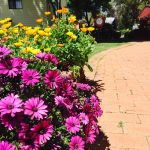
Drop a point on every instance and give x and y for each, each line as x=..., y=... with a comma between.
x=84, y=87
x=51, y=58
x=4, y=145
x=84, y=118
x=35, y=108
x=4, y=51
x=10, y=105
x=72, y=124
x=30, y=77
x=91, y=137
x=12, y=66
x=59, y=100
x=43, y=130
x=52, y=78
x=76, y=143
x=41, y=55
x=11, y=122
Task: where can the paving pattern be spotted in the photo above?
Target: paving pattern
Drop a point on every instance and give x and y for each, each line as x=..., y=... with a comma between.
x=124, y=76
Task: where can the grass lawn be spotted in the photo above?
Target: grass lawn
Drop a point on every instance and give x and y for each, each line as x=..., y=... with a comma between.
x=99, y=47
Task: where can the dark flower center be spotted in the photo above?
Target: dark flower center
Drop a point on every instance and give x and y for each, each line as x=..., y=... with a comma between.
x=1, y=53
x=72, y=124
x=34, y=109
x=30, y=77
x=10, y=106
x=76, y=146
x=42, y=131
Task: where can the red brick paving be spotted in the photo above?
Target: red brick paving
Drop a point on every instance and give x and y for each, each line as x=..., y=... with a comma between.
x=125, y=72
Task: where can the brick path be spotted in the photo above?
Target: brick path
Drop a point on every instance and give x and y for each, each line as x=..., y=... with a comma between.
x=125, y=73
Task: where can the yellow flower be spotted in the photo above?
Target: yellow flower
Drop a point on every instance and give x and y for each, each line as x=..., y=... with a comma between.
x=41, y=32
x=47, y=30
x=83, y=29
x=1, y=32
x=59, y=11
x=72, y=19
x=8, y=19
x=40, y=20
x=47, y=13
x=20, y=25
x=2, y=21
x=48, y=34
x=15, y=30
x=64, y=10
x=26, y=50
x=60, y=45
x=73, y=37
x=35, y=51
x=18, y=44
x=47, y=49
x=5, y=26
x=36, y=37
x=69, y=33
x=90, y=29
x=30, y=32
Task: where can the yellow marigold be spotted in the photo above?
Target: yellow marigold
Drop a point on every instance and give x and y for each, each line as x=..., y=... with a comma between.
x=47, y=30
x=8, y=19
x=36, y=37
x=30, y=32
x=90, y=29
x=18, y=44
x=60, y=45
x=15, y=30
x=47, y=49
x=73, y=37
x=35, y=51
x=1, y=32
x=48, y=34
x=2, y=21
x=65, y=10
x=40, y=20
x=20, y=25
x=69, y=33
x=72, y=19
x=27, y=49
x=59, y=11
x=41, y=32
x=47, y=13
x=83, y=29
x=5, y=26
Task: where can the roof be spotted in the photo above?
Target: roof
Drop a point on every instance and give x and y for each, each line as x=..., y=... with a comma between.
x=145, y=12
x=109, y=20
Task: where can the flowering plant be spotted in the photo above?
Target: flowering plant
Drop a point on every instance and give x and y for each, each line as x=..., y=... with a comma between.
x=42, y=108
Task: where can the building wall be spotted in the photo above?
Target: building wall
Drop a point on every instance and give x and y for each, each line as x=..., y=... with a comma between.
x=32, y=10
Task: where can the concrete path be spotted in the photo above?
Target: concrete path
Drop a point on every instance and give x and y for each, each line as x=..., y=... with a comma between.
x=124, y=73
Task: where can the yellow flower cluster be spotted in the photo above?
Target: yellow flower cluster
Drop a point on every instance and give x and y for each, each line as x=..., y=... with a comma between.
x=85, y=29
x=72, y=19
x=62, y=11
x=71, y=35
x=31, y=50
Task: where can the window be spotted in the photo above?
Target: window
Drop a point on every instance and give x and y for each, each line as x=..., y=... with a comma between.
x=15, y=4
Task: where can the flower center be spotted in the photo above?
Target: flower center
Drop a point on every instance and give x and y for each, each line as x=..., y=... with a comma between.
x=76, y=146
x=42, y=131
x=10, y=106
x=34, y=109
x=30, y=77
x=72, y=124
x=1, y=53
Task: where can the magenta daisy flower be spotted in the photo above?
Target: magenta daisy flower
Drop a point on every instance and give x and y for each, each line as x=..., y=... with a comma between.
x=76, y=143
x=11, y=122
x=12, y=66
x=41, y=55
x=4, y=51
x=72, y=124
x=10, y=105
x=84, y=118
x=59, y=100
x=84, y=87
x=53, y=78
x=5, y=145
x=91, y=137
x=30, y=77
x=35, y=108
x=51, y=58
x=43, y=130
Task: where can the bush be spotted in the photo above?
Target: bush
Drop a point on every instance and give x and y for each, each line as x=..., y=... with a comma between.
x=40, y=106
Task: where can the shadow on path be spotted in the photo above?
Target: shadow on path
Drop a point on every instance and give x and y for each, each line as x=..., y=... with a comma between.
x=101, y=143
